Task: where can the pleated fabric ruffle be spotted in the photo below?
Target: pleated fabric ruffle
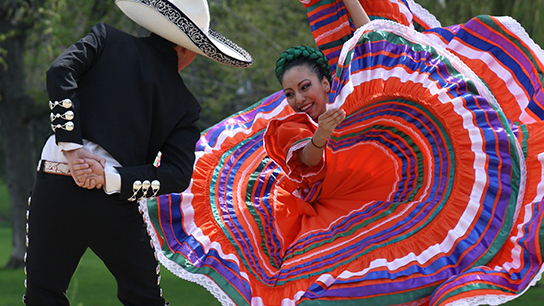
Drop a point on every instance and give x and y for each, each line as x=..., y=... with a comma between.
x=442, y=203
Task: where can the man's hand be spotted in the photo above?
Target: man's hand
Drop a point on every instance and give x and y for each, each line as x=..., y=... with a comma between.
x=87, y=169
x=90, y=172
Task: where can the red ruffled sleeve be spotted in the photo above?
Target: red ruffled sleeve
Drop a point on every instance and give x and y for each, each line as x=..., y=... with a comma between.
x=283, y=137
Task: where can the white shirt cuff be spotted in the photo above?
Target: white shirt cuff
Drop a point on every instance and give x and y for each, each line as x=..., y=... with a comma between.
x=69, y=146
x=113, y=180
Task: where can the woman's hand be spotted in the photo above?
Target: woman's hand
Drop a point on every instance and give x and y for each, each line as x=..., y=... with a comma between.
x=327, y=122
x=312, y=153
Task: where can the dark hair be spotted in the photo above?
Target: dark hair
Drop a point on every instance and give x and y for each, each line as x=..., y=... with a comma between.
x=300, y=56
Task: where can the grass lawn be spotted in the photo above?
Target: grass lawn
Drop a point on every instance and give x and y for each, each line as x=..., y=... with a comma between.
x=93, y=285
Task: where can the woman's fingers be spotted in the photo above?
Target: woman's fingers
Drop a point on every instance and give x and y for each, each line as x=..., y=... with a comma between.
x=331, y=118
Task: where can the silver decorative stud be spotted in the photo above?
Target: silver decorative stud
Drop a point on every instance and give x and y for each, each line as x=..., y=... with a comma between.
x=66, y=103
x=145, y=188
x=155, y=186
x=68, y=126
x=136, y=186
x=69, y=115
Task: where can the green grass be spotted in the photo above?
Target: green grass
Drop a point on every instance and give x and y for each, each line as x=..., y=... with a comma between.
x=92, y=284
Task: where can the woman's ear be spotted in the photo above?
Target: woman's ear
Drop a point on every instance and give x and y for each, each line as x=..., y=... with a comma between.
x=326, y=84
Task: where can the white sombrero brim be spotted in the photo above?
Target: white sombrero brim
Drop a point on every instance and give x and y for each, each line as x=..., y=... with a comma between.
x=172, y=24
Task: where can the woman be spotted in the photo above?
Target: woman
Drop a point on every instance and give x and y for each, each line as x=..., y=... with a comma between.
x=306, y=82
x=425, y=193
x=306, y=90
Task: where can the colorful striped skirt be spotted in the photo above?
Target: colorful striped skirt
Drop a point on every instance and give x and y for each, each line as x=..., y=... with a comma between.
x=447, y=121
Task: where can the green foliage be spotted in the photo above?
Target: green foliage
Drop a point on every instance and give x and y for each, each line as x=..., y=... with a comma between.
x=264, y=29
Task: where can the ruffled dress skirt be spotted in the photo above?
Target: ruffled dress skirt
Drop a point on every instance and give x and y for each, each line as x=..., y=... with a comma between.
x=432, y=193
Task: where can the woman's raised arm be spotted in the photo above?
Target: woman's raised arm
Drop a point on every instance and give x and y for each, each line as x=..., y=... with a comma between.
x=357, y=13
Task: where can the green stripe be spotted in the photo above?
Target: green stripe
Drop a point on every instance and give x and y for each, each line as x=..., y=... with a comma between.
x=335, y=44
x=525, y=132
x=515, y=178
x=514, y=39
x=471, y=287
x=309, y=9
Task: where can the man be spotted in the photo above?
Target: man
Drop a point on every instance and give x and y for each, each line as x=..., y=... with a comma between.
x=117, y=101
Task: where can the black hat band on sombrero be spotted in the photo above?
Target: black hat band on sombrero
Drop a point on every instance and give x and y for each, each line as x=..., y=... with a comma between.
x=210, y=44
x=194, y=33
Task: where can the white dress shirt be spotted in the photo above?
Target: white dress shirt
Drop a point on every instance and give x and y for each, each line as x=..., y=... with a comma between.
x=53, y=152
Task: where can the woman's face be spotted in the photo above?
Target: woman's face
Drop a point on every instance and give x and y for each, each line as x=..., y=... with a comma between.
x=305, y=92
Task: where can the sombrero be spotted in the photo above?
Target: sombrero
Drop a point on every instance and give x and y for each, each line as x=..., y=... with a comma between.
x=186, y=23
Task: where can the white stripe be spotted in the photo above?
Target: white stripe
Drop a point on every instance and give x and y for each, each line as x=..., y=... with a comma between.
x=500, y=72
x=226, y=133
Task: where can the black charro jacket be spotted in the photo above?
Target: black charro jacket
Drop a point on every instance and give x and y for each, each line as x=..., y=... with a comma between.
x=129, y=98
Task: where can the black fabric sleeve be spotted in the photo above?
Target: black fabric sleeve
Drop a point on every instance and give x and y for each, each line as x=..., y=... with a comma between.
x=63, y=77
x=176, y=164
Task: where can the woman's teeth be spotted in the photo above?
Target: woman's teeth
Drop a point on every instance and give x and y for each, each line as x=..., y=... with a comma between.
x=306, y=107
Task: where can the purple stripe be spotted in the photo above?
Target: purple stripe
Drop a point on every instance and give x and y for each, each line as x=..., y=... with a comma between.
x=510, y=48
x=244, y=118
x=331, y=12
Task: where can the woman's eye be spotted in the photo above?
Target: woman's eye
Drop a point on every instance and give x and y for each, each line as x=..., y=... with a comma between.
x=305, y=86
x=289, y=95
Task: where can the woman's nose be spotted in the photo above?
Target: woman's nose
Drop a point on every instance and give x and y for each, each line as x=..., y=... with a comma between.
x=300, y=98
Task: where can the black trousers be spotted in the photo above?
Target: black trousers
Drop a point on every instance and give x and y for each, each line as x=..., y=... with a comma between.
x=65, y=220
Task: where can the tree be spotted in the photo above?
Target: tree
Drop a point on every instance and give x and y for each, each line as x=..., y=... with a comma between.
x=27, y=45
x=34, y=32
x=18, y=111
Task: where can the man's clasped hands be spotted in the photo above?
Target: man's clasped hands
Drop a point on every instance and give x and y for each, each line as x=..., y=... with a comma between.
x=86, y=168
